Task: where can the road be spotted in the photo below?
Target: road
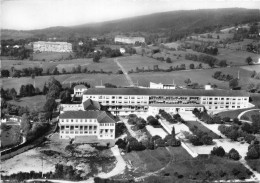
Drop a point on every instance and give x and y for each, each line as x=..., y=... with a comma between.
x=128, y=78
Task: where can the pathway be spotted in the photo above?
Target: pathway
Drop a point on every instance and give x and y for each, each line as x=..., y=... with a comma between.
x=242, y=113
x=120, y=165
x=128, y=78
x=132, y=133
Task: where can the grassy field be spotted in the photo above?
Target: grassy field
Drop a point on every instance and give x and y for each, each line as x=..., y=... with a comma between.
x=92, y=79
x=254, y=164
x=107, y=64
x=33, y=103
x=10, y=135
x=192, y=124
x=252, y=68
x=232, y=113
x=198, y=76
x=234, y=57
x=134, y=61
x=247, y=115
x=51, y=56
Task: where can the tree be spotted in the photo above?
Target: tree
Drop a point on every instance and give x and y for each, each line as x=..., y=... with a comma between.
x=25, y=124
x=249, y=60
x=252, y=153
x=65, y=96
x=50, y=105
x=233, y=83
x=13, y=93
x=187, y=81
x=45, y=89
x=63, y=71
x=168, y=60
x=96, y=57
x=233, y=154
x=192, y=66
x=5, y=73
x=218, y=151
x=54, y=92
x=173, y=132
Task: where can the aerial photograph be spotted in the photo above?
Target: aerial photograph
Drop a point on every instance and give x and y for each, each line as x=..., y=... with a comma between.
x=128, y=91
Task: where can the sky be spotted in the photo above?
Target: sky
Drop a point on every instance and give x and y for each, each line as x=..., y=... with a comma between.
x=37, y=14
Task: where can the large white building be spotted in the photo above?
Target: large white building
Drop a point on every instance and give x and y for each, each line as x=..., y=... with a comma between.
x=98, y=124
x=124, y=101
x=129, y=40
x=46, y=46
x=162, y=86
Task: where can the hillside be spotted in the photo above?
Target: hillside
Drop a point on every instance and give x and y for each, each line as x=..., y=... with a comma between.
x=168, y=23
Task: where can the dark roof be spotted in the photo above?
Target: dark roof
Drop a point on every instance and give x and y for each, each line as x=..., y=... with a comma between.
x=101, y=116
x=91, y=105
x=80, y=87
x=164, y=92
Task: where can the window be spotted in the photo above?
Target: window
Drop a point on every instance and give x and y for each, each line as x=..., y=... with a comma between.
x=72, y=120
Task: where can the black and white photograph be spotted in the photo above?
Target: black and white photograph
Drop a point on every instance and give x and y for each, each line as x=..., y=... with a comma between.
x=129, y=91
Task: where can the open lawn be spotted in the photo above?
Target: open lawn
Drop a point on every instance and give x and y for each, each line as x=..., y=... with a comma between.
x=10, y=135
x=51, y=56
x=247, y=115
x=235, y=57
x=195, y=124
x=254, y=164
x=202, y=77
x=92, y=79
x=232, y=113
x=33, y=103
x=252, y=68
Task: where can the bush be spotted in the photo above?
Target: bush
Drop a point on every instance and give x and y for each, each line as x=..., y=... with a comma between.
x=155, y=137
x=136, y=146
x=173, y=142
x=218, y=151
x=152, y=121
x=159, y=143
x=121, y=143
x=226, y=119
x=252, y=153
x=233, y=154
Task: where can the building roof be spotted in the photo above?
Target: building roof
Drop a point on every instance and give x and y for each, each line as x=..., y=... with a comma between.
x=101, y=116
x=176, y=105
x=91, y=105
x=80, y=87
x=164, y=92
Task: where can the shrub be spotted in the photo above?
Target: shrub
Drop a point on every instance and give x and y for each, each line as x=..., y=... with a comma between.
x=155, y=137
x=226, y=119
x=207, y=140
x=152, y=121
x=173, y=142
x=136, y=146
x=218, y=151
x=159, y=143
x=249, y=138
x=233, y=154
x=252, y=153
x=195, y=140
x=121, y=143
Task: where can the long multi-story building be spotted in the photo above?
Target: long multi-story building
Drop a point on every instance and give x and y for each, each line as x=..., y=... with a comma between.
x=46, y=46
x=129, y=40
x=123, y=101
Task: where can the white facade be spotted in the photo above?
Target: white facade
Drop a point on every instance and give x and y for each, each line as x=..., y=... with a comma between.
x=136, y=102
x=129, y=40
x=162, y=86
x=45, y=46
x=70, y=128
x=79, y=89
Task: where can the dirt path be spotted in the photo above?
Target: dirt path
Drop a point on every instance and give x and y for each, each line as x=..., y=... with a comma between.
x=120, y=165
x=128, y=78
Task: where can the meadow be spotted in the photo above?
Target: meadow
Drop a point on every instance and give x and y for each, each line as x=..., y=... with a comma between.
x=51, y=56
x=92, y=79
x=33, y=103
x=139, y=61
x=10, y=135
x=202, y=77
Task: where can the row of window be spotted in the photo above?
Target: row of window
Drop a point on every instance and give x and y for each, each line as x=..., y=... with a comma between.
x=107, y=124
x=78, y=120
x=225, y=98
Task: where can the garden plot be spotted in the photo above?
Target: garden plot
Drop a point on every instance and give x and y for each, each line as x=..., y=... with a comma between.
x=156, y=131
x=227, y=144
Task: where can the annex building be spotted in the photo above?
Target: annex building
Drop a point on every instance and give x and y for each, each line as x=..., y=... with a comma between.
x=47, y=46
x=129, y=40
x=124, y=101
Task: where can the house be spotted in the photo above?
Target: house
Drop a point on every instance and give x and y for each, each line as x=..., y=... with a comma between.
x=79, y=89
x=122, y=50
x=129, y=40
x=99, y=124
x=162, y=86
x=80, y=43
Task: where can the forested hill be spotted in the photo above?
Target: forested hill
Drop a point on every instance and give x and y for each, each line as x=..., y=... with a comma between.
x=174, y=22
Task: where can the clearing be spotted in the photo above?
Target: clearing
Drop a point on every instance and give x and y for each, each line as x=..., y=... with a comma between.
x=10, y=135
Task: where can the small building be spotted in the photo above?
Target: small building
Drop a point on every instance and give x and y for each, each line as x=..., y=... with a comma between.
x=80, y=43
x=16, y=46
x=162, y=86
x=87, y=124
x=122, y=50
x=79, y=89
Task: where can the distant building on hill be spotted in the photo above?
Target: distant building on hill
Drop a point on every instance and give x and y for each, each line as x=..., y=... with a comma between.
x=45, y=46
x=129, y=40
x=162, y=86
x=122, y=50
x=79, y=89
